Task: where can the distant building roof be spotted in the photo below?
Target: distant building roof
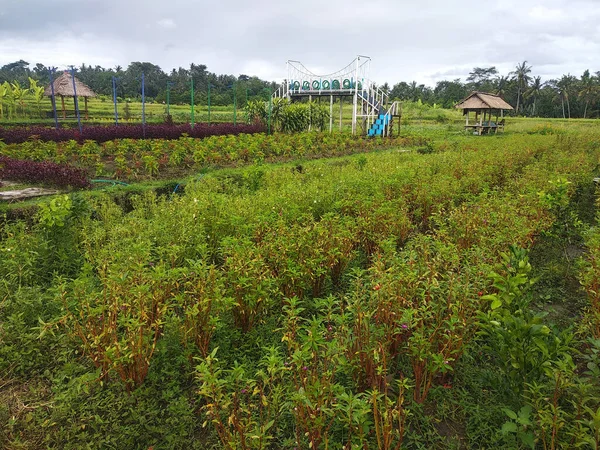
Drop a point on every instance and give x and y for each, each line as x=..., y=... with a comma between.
x=483, y=100
x=63, y=85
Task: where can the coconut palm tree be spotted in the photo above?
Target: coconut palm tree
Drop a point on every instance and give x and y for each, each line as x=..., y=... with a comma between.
x=587, y=89
x=501, y=85
x=565, y=85
x=557, y=89
x=414, y=92
x=534, y=91
x=521, y=76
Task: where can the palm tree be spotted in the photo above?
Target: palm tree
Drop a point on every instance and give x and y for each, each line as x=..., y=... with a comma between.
x=521, y=76
x=414, y=91
x=501, y=85
x=587, y=89
x=534, y=91
x=557, y=89
x=565, y=84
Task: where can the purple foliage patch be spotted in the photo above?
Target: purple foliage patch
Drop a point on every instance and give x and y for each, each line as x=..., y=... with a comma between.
x=49, y=173
x=100, y=134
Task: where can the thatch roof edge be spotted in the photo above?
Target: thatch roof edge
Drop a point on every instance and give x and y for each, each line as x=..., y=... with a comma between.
x=63, y=85
x=491, y=101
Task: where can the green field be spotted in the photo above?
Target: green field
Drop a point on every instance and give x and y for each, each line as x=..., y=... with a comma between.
x=101, y=110
x=309, y=291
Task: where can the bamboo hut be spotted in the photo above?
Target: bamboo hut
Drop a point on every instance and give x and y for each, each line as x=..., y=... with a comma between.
x=63, y=87
x=485, y=107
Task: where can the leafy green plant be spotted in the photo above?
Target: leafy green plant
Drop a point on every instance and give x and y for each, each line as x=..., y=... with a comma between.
x=567, y=225
x=243, y=408
x=248, y=282
x=119, y=324
x=201, y=302
x=520, y=425
x=518, y=337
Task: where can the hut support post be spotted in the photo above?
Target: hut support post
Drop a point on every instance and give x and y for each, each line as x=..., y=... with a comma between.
x=497, y=122
x=51, y=71
x=62, y=99
x=86, y=107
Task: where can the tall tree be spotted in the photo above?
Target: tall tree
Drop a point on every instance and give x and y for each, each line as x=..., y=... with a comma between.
x=501, y=85
x=447, y=93
x=534, y=91
x=587, y=89
x=480, y=78
x=521, y=76
x=565, y=86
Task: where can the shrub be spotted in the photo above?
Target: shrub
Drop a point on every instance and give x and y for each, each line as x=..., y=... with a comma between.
x=102, y=133
x=53, y=174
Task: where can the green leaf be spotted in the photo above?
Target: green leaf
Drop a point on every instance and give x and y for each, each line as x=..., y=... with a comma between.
x=497, y=303
x=528, y=439
x=524, y=414
x=509, y=427
x=510, y=413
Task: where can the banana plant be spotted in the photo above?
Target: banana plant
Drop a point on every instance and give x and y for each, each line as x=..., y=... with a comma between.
x=37, y=92
x=18, y=95
x=2, y=93
x=6, y=97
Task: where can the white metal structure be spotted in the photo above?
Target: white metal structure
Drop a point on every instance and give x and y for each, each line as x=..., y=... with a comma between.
x=371, y=107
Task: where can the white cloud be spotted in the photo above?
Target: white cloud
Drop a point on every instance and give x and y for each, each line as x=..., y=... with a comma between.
x=546, y=14
x=167, y=24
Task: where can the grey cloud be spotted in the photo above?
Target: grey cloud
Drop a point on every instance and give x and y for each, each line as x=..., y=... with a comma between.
x=428, y=39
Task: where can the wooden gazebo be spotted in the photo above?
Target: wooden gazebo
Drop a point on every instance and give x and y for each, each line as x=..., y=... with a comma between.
x=485, y=107
x=63, y=87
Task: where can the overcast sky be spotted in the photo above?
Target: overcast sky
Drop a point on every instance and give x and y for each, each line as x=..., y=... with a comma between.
x=424, y=40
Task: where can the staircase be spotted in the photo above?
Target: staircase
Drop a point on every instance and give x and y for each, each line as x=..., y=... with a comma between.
x=382, y=126
x=377, y=113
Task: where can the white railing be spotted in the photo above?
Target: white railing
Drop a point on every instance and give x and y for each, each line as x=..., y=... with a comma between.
x=282, y=91
x=391, y=112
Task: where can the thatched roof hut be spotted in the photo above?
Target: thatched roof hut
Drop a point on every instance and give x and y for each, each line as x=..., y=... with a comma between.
x=63, y=87
x=484, y=104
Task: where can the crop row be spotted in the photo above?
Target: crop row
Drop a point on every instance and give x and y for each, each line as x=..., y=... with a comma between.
x=45, y=172
x=322, y=305
x=590, y=279
x=16, y=135
x=127, y=158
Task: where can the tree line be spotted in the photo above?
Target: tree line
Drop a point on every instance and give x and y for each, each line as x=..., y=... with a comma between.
x=569, y=96
x=157, y=83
